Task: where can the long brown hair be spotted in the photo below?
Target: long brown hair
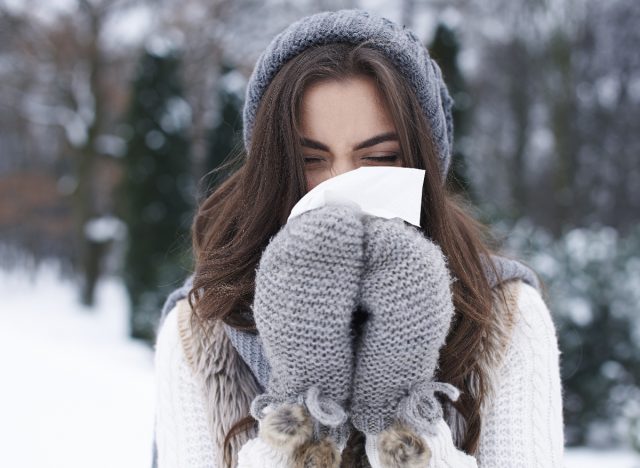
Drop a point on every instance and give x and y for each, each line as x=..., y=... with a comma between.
x=234, y=224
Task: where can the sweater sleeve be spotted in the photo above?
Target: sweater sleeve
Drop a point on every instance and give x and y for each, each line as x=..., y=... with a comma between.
x=523, y=426
x=182, y=433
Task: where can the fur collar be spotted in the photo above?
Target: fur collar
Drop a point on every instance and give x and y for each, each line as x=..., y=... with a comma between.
x=229, y=386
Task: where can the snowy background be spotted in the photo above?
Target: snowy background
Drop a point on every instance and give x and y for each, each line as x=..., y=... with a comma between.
x=77, y=392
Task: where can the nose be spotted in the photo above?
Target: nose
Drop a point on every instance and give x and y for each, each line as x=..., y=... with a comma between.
x=342, y=165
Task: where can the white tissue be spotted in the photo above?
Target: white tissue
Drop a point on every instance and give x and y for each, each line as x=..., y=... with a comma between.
x=384, y=191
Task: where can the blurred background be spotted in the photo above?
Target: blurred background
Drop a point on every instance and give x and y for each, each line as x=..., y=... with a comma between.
x=113, y=113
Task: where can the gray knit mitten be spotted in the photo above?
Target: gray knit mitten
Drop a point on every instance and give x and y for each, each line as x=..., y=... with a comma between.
x=306, y=290
x=406, y=292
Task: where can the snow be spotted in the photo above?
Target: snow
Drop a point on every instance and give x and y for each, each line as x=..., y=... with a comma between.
x=176, y=116
x=104, y=229
x=234, y=82
x=128, y=27
x=76, y=392
x=589, y=458
x=111, y=145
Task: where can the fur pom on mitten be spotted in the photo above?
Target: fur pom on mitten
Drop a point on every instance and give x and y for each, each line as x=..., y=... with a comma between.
x=307, y=288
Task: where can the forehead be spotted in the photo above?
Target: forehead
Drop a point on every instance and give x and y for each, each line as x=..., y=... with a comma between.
x=351, y=110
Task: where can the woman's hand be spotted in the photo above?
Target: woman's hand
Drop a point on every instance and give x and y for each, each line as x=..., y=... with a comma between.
x=406, y=292
x=307, y=287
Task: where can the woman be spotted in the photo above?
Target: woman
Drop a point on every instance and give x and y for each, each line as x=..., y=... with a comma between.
x=335, y=329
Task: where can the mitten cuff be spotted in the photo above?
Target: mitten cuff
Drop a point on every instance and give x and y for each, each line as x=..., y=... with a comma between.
x=323, y=409
x=420, y=409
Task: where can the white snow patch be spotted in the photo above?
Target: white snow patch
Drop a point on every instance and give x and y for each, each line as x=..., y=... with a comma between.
x=590, y=458
x=105, y=228
x=129, y=27
x=75, y=391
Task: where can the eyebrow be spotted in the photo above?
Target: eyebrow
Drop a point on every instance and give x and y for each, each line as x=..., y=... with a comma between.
x=389, y=136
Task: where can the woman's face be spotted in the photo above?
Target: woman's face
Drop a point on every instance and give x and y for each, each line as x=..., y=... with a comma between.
x=345, y=125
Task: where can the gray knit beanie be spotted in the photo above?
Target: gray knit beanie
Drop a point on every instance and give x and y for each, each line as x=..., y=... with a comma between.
x=398, y=43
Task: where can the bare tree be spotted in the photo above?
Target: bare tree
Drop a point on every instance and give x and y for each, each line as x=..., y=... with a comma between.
x=63, y=77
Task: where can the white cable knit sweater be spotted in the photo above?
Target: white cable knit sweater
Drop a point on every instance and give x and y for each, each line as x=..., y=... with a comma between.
x=522, y=427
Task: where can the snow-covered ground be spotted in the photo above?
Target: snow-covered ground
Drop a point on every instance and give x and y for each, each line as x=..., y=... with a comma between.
x=76, y=392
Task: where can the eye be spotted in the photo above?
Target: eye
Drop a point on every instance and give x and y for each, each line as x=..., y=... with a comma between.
x=383, y=158
x=312, y=159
